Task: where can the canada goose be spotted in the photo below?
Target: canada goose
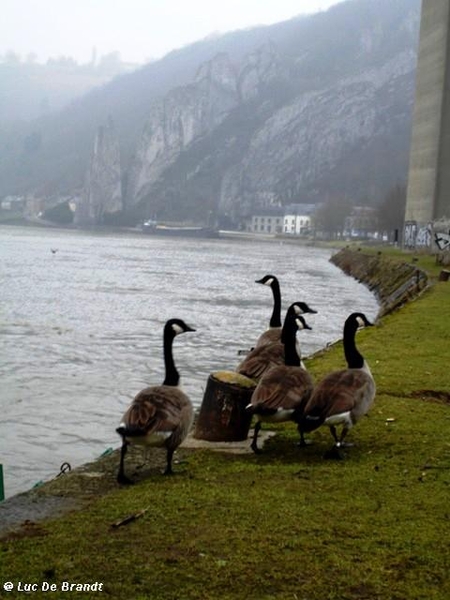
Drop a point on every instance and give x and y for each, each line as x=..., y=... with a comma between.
x=159, y=415
x=285, y=388
x=344, y=396
x=262, y=358
x=273, y=334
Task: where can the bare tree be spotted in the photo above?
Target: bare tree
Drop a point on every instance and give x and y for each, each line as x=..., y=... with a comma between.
x=330, y=217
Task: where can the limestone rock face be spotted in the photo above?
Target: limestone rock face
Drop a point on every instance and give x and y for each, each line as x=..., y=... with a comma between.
x=305, y=141
x=184, y=115
x=277, y=127
x=102, y=194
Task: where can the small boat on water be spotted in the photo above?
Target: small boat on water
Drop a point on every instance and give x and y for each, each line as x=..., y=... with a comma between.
x=197, y=231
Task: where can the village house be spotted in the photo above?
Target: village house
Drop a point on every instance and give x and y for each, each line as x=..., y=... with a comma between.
x=268, y=220
x=298, y=219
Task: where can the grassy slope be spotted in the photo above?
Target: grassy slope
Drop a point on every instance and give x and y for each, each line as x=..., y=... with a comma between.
x=286, y=524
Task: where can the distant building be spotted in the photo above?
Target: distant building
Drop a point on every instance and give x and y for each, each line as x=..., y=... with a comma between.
x=268, y=220
x=12, y=203
x=298, y=219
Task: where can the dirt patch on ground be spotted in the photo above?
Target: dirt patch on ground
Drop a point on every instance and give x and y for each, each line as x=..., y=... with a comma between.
x=432, y=396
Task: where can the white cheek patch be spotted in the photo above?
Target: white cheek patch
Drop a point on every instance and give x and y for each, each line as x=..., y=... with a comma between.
x=299, y=324
x=360, y=322
x=269, y=281
x=177, y=329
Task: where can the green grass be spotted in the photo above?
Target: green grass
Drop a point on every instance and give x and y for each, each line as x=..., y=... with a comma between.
x=286, y=524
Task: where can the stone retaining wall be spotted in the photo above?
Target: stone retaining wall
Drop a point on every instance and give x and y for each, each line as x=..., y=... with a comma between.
x=393, y=282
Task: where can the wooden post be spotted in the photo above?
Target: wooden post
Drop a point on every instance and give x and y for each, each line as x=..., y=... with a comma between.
x=444, y=275
x=222, y=416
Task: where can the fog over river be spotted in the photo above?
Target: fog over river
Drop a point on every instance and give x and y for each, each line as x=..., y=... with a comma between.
x=81, y=328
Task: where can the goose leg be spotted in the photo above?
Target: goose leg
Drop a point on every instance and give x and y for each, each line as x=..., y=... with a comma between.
x=169, y=470
x=343, y=444
x=254, y=445
x=121, y=477
x=302, y=443
x=334, y=434
x=334, y=452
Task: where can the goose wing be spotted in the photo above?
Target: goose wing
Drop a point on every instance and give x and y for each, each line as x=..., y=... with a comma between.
x=271, y=336
x=283, y=387
x=349, y=390
x=158, y=408
x=261, y=359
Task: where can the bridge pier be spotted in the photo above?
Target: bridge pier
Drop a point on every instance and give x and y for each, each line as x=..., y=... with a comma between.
x=427, y=213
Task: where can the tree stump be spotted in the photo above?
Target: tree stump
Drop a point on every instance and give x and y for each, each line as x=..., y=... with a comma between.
x=444, y=275
x=222, y=416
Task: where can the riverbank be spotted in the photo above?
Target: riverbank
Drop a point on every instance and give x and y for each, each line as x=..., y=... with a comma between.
x=284, y=524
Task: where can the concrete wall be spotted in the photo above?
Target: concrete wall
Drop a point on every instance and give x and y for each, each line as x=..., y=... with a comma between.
x=428, y=195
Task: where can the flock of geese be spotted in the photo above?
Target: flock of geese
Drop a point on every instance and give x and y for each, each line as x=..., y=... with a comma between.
x=162, y=415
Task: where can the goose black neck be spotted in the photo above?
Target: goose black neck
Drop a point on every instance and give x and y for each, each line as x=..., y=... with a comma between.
x=354, y=359
x=172, y=375
x=275, y=319
x=288, y=338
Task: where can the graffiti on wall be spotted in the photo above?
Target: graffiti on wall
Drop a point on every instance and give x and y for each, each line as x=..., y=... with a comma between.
x=418, y=237
x=409, y=238
x=442, y=240
x=424, y=236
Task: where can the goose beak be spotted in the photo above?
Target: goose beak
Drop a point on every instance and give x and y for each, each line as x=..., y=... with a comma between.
x=190, y=328
x=312, y=311
x=259, y=281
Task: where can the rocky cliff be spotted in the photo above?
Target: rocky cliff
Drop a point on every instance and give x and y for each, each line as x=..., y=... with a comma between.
x=102, y=193
x=271, y=130
x=305, y=110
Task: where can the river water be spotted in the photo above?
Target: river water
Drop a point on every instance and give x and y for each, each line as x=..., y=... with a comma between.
x=81, y=328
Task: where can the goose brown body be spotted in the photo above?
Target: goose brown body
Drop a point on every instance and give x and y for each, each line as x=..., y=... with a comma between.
x=261, y=359
x=266, y=356
x=285, y=388
x=342, y=397
x=160, y=415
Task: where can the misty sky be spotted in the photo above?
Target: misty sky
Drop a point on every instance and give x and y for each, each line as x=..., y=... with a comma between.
x=138, y=29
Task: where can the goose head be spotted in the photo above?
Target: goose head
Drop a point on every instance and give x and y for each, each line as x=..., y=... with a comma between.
x=269, y=280
x=301, y=323
x=177, y=326
x=292, y=323
x=359, y=320
x=301, y=308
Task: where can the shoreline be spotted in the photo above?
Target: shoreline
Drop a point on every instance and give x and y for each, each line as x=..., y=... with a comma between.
x=223, y=234
x=68, y=492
